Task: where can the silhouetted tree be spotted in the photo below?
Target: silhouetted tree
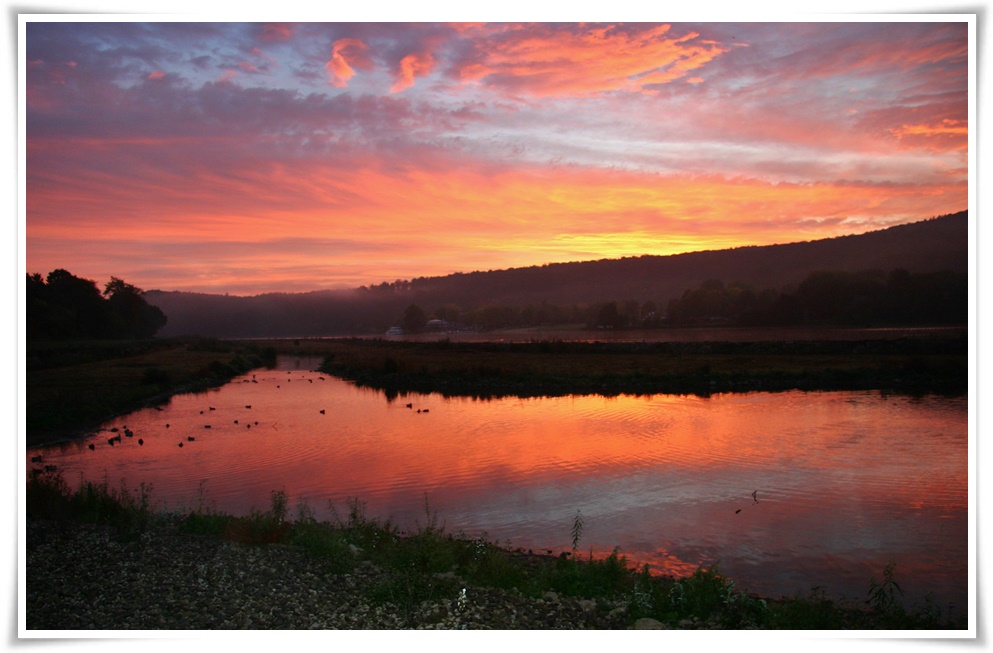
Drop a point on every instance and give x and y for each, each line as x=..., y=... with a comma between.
x=449, y=312
x=73, y=307
x=609, y=317
x=130, y=316
x=65, y=306
x=413, y=319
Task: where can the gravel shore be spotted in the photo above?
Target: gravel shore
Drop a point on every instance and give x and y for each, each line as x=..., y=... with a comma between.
x=80, y=577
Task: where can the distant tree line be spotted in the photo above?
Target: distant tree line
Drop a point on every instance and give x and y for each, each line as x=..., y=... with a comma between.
x=63, y=306
x=829, y=297
x=632, y=292
x=936, y=244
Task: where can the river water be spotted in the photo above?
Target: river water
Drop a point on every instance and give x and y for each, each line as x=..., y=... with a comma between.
x=785, y=492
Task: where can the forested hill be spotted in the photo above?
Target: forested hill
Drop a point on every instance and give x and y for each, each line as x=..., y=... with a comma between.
x=930, y=245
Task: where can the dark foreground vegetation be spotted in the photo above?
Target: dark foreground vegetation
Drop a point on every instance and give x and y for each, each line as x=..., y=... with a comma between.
x=106, y=558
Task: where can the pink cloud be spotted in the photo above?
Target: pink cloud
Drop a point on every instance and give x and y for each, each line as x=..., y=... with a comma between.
x=276, y=32
x=453, y=213
x=339, y=70
x=412, y=66
x=540, y=60
x=632, y=139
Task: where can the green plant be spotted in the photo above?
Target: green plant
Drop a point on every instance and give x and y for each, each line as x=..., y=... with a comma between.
x=883, y=595
x=47, y=497
x=577, y=529
x=812, y=612
x=278, y=505
x=129, y=513
x=324, y=541
x=431, y=525
x=708, y=596
x=262, y=527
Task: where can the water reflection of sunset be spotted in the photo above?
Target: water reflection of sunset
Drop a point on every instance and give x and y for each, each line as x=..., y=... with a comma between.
x=842, y=481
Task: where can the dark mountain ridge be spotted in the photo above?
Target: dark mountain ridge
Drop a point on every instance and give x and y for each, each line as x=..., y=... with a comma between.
x=939, y=243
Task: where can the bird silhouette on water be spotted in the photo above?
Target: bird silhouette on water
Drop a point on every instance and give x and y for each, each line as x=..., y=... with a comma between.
x=755, y=499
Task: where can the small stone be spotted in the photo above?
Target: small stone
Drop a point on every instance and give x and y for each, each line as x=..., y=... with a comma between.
x=617, y=612
x=647, y=623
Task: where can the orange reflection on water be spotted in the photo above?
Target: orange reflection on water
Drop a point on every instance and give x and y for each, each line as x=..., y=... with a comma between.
x=843, y=482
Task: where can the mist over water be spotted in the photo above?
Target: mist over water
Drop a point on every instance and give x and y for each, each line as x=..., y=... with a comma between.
x=784, y=491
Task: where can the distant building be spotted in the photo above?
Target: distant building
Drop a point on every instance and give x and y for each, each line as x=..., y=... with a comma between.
x=439, y=325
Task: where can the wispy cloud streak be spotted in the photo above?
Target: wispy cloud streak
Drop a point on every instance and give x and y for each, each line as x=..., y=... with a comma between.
x=424, y=149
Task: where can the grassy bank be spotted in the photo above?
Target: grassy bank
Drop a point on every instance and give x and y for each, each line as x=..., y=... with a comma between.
x=559, y=368
x=433, y=565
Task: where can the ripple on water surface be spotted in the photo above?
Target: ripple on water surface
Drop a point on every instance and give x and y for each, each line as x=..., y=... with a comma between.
x=837, y=476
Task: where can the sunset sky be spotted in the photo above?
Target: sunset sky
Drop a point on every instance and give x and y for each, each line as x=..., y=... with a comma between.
x=257, y=157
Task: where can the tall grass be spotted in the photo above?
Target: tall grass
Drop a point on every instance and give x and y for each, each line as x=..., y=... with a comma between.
x=432, y=564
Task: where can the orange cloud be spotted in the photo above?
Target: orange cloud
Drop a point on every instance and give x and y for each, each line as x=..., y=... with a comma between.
x=411, y=66
x=339, y=70
x=544, y=62
x=403, y=223
x=953, y=134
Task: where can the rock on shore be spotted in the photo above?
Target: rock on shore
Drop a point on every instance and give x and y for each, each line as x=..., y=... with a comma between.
x=80, y=577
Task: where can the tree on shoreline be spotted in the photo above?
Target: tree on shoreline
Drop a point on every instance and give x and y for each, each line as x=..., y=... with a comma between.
x=63, y=306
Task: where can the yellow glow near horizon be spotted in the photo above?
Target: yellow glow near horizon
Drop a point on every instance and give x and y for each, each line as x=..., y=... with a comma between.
x=308, y=156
